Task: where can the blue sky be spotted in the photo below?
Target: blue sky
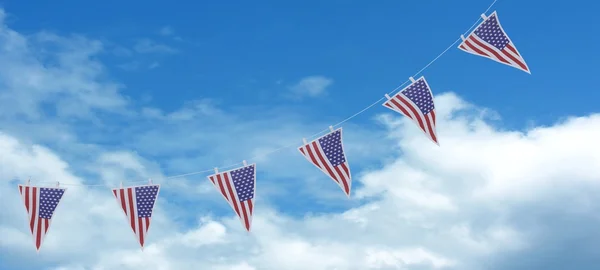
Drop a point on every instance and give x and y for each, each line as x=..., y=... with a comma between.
x=100, y=93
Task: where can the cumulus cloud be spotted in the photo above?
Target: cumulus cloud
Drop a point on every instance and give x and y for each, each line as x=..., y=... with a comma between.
x=487, y=198
x=430, y=208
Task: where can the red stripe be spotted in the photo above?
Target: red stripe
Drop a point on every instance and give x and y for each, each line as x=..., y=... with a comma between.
x=405, y=112
x=222, y=188
x=512, y=49
x=344, y=181
x=514, y=59
x=33, y=209
x=123, y=203
x=27, y=199
x=21, y=190
x=302, y=150
x=463, y=47
x=432, y=116
x=324, y=162
x=141, y=231
x=250, y=206
x=231, y=195
x=245, y=216
x=429, y=126
x=131, y=212
x=46, y=225
x=38, y=238
x=413, y=110
x=491, y=50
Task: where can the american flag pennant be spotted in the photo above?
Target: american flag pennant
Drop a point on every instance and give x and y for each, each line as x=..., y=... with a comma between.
x=416, y=102
x=490, y=41
x=327, y=153
x=137, y=204
x=238, y=187
x=40, y=204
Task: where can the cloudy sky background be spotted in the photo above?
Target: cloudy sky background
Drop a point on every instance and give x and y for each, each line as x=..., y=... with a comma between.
x=91, y=94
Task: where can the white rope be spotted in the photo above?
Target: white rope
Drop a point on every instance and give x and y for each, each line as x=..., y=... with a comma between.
x=316, y=134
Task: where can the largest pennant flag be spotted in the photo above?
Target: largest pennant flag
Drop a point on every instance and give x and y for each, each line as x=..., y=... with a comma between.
x=327, y=153
x=238, y=187
x=138, y=204
x=416, y=102
x=490, y=41
x=40, y=204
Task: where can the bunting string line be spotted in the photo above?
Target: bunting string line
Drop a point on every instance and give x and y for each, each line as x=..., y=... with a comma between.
x=312, y=136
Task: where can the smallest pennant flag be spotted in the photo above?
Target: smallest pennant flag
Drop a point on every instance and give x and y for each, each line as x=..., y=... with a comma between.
x=490, y=41
x=327, y=153
x=40, y=203
x=238, y=187
x=416, y=102
x=138, y=204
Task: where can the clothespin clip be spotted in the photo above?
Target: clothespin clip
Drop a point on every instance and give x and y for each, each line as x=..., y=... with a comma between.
x=216, y=170
x=121, y=184
x=484, y=17
x=411, y=79
x=462, y=37
x=387, y=96
x=244, y=162
x=331, y=128
x=57, y=183
x=149, y=181
x=304, y=141
x=29, y=181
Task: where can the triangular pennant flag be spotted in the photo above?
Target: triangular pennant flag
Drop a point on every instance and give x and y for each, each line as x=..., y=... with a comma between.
x=40, y=204
x=416, y=102
x=137, y=204
x=238, y=187
x=327, y=153
x=489, y=40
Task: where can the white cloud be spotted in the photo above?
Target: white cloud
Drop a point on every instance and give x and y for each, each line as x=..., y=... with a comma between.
x=311, y=86
x=148, y=46
x=483, y=198
x=399, y=228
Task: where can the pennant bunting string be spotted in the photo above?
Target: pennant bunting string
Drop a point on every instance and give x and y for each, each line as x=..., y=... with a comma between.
x=325, y=149
x=316, y=134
